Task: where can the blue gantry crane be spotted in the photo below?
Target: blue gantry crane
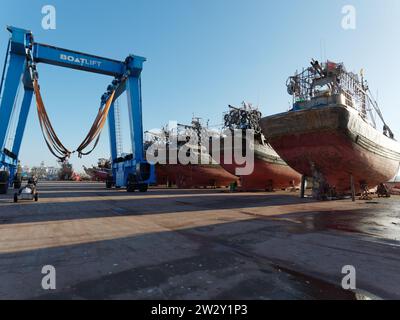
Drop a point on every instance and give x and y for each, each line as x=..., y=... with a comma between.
x=23, y=55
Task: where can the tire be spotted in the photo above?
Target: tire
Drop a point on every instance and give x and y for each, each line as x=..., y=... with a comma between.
x=131, y=183
x=15, y=197
x=143, y=187
x=4, y=175
x=3, y=188
x=108, y=184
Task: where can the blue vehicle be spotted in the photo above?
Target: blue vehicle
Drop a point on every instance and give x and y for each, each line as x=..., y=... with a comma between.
x=23, y=56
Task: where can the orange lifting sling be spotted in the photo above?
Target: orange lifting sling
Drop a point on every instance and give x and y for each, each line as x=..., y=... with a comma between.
x=53, y=142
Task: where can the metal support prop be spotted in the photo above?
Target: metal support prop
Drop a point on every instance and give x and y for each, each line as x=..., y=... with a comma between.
x=11, y=84
x=135, y=116
x=353, y=189
x=303, y=186
x=112, y=132
x=23, y=116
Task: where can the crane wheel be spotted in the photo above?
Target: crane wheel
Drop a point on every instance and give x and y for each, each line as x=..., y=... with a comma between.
x=17, y=184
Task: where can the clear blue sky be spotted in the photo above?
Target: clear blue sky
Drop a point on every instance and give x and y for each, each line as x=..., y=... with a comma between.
x=202, y=55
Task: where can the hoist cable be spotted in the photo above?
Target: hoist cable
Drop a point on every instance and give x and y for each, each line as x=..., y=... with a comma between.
x=97, y=127
x=44, y=119
x=52, y=141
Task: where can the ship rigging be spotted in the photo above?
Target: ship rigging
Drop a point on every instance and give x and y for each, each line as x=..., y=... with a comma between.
x=330, y=79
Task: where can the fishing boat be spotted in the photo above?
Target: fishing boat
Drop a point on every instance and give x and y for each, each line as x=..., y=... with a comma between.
x=197, y=170
x=100, y=172
x=331, y=132
x=269, y=172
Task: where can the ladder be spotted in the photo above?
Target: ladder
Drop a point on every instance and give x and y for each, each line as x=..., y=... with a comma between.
x=118, y=134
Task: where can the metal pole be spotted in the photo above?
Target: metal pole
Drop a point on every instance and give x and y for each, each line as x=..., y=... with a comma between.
x=11, y=84
x=303, y=186
x=135, y=117
x=4, y=67
x=23, y=115
x=112, y=132
x=353, y=190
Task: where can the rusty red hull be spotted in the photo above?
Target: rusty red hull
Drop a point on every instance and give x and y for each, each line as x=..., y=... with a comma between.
x=394, y=187
x=201, y=170
x=161, y=175
x=194, y=175
x=335, y=142
x=266, y=176
x=97, y=174
x=270, y=171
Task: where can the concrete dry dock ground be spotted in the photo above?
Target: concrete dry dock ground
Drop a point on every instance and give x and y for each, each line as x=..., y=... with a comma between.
x=195, y=244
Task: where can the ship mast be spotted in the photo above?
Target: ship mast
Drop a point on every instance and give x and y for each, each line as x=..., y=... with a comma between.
x=197, y=127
